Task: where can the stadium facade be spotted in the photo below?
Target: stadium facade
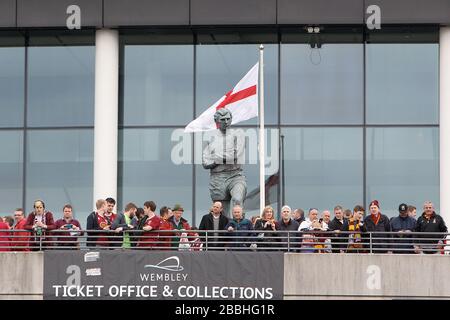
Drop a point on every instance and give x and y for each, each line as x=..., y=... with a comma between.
x=94, y=96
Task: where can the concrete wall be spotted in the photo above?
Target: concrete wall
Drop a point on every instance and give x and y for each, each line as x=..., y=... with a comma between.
x=374, y=276
x=306, y=276
x=22, y=275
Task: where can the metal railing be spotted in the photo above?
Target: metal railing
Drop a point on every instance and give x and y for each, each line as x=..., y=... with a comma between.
x=248, y=240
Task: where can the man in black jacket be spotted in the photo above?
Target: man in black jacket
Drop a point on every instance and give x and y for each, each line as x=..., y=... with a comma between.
x=429, y=221
x=378, y=222
x=92, y=223
x=123, y=224
x=289, y=240
x=403, y=224
x=338, y=243
x=214, y=220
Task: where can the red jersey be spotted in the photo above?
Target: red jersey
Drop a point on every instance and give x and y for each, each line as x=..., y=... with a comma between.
x=67, y=239
x=21, y=238
x=165, y=237
x=149, y=238
x=4, y=237
x=103, y=221
x=112, y=217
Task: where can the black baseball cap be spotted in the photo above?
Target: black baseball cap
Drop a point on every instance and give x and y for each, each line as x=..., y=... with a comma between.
x=403, y=207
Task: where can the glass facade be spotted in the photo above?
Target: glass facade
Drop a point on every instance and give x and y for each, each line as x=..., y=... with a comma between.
x=147, y=172
x=158, y=84
x=59, y=169
x=402, y=166
x=323, y=167
x=322, y=86
x=12, y=72
x=11, y=169
x=402, y=80
x=357, y=111
x=46, y=121
x=60, y=86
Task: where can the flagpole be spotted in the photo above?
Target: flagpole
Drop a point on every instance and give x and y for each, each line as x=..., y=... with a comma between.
x=262, y=191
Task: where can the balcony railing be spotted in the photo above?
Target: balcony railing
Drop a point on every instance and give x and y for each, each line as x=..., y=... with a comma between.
x=253, y=240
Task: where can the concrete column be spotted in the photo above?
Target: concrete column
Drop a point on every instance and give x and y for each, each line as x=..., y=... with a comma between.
x=444, y=123
x=106, y=113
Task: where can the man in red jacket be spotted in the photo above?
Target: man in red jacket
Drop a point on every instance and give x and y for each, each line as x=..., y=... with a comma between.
x=41, y=222
x=165, y=238
x=150, y=237
x=20, y=239
x=68, y=223
x=115, y=240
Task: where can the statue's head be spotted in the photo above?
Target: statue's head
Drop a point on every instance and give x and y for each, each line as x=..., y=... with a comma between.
x=223, y=119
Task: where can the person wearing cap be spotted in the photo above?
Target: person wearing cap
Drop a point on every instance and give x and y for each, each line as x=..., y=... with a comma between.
x=178, y=223
x=378, y=222
x=403, y=224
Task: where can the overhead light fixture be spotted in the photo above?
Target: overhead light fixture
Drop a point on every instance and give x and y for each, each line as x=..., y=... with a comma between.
x=313, y=29
x=314, y=38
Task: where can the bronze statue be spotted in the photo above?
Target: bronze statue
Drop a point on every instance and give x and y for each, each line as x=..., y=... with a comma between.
x=223, y=157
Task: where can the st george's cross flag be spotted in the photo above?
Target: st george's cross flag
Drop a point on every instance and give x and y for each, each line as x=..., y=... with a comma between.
x=242, y=101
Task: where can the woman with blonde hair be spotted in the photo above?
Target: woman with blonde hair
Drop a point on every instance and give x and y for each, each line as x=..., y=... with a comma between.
x=267, y=224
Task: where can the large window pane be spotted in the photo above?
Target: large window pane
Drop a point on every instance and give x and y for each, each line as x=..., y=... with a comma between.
x=322, y=86
x=221, y=66
x=402, y=83
x=11, y=170
x=12, y=65
x=61, y=86
x=60, y=170
x=402, y=166
x=323, y=167
x=149, y=169
x=158, y=84
x=250, y=170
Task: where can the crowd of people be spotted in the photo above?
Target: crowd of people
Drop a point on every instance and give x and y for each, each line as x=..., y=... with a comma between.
x=142, y=228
